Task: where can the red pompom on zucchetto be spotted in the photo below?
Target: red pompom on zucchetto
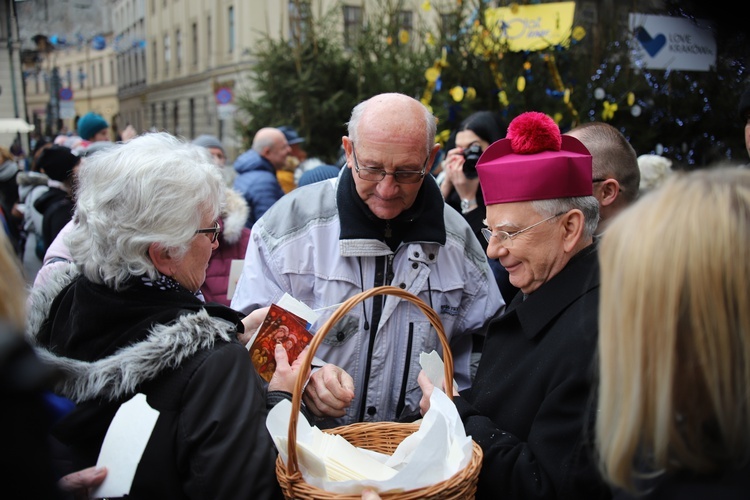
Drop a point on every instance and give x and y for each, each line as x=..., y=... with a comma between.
x=534, y=162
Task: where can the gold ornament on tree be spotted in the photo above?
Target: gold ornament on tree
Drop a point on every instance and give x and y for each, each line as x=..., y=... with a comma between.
x=609, y=110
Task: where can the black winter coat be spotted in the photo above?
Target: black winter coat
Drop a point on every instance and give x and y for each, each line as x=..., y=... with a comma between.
x=56, y=207
x=158, y=339
x=530, y=403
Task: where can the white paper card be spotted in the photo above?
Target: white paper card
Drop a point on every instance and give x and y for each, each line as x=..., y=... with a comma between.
x=234, y=275
x=434, y=368
x=123, y=446
x=301, y=309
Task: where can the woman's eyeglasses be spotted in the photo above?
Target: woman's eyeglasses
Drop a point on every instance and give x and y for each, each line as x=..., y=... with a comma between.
x=212, y=231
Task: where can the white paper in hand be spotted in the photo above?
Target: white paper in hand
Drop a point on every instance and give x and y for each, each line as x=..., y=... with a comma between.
x=434, y=368
x=123, y=446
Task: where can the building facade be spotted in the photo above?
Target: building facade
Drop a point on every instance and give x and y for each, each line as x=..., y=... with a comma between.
x=69, y=65
x=179, y=65
x=199, y=56
x=11, y=83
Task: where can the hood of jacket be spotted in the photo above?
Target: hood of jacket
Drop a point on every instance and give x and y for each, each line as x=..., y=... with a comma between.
x=27, y=181
x=31, y=179
x=233, y=216
x=145, y=335
x=46, y=200
x=7, y=170
x=250, y=160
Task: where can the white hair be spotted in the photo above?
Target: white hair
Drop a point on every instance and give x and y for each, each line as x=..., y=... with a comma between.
x=152, y=189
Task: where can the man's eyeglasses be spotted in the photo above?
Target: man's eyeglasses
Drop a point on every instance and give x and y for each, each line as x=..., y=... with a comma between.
x=212, y=231
x=602, y=179
x=506, y=239
x=378, y=174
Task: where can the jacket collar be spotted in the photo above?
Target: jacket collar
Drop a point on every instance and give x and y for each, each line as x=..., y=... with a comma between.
x=146, y=338
x=578, y=277
x=422, y=222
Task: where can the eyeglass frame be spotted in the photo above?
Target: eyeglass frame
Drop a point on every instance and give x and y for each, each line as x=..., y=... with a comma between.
x=382, y=173
x=602, y=179
x=213, y=231
x=509, y=236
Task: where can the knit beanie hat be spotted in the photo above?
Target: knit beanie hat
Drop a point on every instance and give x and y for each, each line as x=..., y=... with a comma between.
x=89, y=124
x=209, y=141
x=317, y=174
x=57, y=162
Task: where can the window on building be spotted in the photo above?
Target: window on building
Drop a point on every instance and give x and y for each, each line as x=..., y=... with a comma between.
x=299, y=19
x=167, y=54
x=230, y=30
x=102, y=80
x=154, y=55
x=112, y=78
x=207, y=111
x=92, y=76
x=164, y=116
x=448, y=25
x=191, y=116
x=405, y=23
x=143, y=65
x=176, y=118
x=178, y=48
x=209, y=39
x=194, y=44
x=68, y=78
x=352, y=25
x=153, y=115
x=81, y=77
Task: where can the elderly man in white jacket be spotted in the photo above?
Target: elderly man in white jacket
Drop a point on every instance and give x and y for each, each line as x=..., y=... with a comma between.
x=383, y=221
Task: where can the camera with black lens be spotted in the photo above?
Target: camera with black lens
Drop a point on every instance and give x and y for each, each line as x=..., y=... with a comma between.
x=471, y=156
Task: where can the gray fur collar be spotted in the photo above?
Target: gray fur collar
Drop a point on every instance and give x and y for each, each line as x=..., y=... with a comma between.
x=118, y=375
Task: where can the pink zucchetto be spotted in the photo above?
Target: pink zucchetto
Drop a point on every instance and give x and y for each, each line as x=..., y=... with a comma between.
x=534, y=162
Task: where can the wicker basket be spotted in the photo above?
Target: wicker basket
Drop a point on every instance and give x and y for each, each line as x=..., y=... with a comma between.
x=383, y=437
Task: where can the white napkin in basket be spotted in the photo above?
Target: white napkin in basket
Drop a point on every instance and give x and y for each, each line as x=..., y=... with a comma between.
x=434, y=453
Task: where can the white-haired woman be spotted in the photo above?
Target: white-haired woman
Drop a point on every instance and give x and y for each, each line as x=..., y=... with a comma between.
x=127, y=319
x=674, y=341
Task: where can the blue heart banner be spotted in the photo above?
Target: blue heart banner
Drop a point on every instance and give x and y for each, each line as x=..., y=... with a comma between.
x=671, y=43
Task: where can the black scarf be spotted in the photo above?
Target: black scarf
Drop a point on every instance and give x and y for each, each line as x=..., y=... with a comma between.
x=423, y=221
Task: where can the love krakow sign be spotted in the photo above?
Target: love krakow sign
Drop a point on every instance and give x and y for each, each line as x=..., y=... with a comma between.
x=671, y=43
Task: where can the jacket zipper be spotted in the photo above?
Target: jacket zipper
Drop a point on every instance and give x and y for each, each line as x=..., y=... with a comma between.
x=405, y=380
x=377, y=309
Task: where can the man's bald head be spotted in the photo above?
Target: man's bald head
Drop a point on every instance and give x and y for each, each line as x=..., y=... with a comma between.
x=271, y=144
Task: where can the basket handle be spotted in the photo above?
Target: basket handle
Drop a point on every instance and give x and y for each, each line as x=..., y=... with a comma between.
x=344, y=308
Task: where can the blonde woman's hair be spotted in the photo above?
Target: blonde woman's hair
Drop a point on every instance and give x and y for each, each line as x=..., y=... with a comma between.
x=674, y=330
x=12, y=286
